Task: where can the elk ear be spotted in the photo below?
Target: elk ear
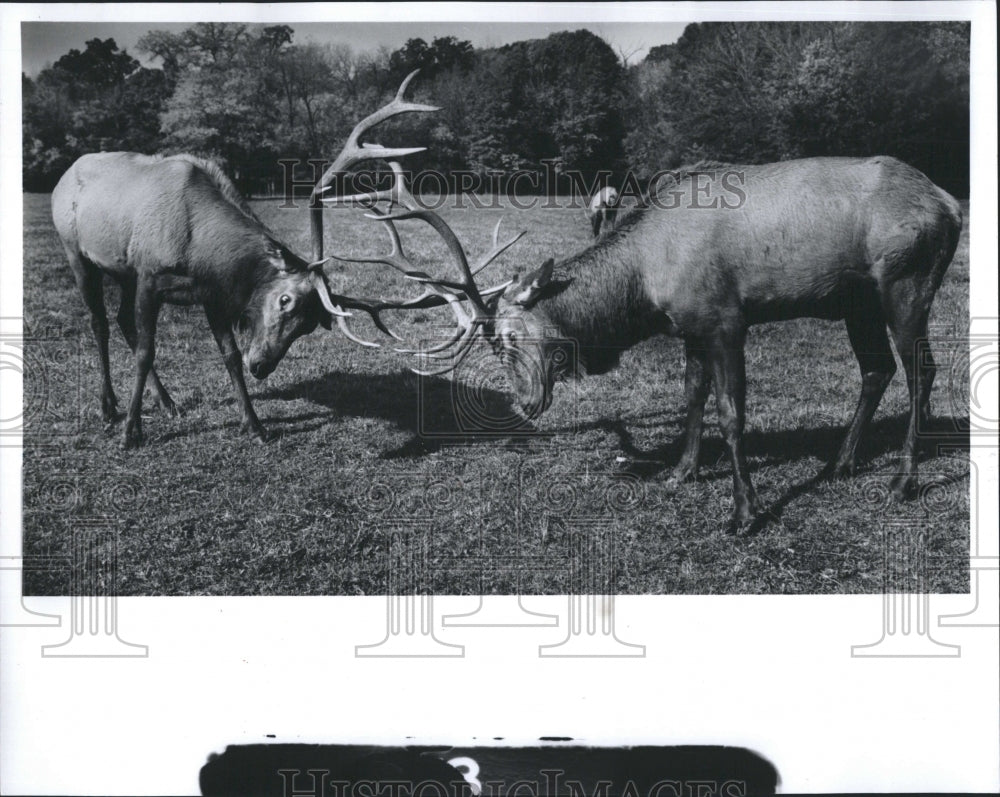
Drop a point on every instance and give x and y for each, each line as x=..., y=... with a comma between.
x=527, y=290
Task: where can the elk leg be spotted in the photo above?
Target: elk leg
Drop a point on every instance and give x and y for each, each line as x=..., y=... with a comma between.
x=609, y=220
x=866, y=329
x=697, y=382
x=904, y=484
x=234, y=364
x=147, y=308
x=908, y=324
x=928, y=368
x=729, y=374
x=91, y=284
x=126, y=323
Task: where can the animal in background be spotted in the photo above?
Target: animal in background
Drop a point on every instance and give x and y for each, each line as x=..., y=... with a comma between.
x=602, y=210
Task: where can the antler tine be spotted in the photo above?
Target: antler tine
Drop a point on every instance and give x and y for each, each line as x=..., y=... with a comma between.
x=396, y=258
x=353, y=152
x=342, y=326
x=468, y=284
x=404, y=85
x=499, y=288
x=464, y=325
x=397, y=194
x=456, y=358
x=497, y=250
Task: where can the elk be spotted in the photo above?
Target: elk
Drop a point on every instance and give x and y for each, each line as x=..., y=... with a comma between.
x=867, y=241
x=175, y=230
x=602, y=210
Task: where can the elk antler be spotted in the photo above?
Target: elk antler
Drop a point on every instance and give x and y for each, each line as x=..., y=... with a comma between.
x=354, y=152
x=438, y=291
x=468, y=328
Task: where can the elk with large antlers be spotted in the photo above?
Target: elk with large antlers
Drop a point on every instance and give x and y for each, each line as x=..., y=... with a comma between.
x=863, y=240
x=175, y=230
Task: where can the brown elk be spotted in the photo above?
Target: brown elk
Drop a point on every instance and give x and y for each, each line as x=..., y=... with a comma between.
x=863, y=240
x=175, y=230
x=602, y=210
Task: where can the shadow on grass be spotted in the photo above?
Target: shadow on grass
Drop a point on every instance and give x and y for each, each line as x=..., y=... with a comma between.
x=777, y=447
x=430, y=409
x=788, y=445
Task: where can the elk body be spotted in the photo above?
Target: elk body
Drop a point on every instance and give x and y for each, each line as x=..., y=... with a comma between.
x=602, y=210
x=175, y=230
x=866, y=241
x=863, y=240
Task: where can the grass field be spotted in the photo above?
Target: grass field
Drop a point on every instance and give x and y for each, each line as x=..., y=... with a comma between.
x=378, y=479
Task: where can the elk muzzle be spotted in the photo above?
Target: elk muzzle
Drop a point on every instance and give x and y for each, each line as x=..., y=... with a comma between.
x=531, y=381
x=260, y=364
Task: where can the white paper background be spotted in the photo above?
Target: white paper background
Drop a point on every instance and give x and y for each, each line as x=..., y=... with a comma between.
x=770, y=673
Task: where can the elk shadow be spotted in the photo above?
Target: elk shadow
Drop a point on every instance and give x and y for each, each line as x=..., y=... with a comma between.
x=776, y=447
x=435, y=412
x=942, y=435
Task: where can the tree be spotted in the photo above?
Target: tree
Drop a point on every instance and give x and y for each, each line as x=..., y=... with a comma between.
x=755, y=92
x=901, y=89
x=443, y=54
x=223, y=105
x=97, y=99
x=557, y=99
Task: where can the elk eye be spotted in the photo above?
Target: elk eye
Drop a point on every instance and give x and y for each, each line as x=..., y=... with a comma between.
x=284, y=300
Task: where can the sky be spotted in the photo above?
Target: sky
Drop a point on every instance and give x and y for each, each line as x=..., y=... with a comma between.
x=44, y=42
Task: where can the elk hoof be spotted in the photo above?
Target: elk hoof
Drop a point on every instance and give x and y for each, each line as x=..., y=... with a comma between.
x=745, y=516
x=255, y=430
x=740, y=525
x=904, y=486
x=113, y=417
x=110, y=413
x=680, y=475
x=133, y=438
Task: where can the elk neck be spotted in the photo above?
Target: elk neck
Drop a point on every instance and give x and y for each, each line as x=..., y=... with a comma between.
x=234, y=259
x=600, y=301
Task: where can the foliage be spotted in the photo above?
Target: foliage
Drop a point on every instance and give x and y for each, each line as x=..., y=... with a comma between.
x=445, y=53
x=98, y=99
x=757, y=92
x=250, y=96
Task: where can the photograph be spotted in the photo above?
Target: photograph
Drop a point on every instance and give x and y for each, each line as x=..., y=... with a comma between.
x=499, y=399
x=483, y=300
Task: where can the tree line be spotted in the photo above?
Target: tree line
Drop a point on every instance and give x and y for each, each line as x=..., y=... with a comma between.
x=250, y=96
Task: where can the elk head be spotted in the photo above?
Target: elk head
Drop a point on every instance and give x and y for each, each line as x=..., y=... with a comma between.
x=290, y=302
x=504, y=315
x=535, y=356
x=295, y=296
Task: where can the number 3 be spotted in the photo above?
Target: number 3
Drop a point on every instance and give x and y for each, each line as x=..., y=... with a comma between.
x=470, y=771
